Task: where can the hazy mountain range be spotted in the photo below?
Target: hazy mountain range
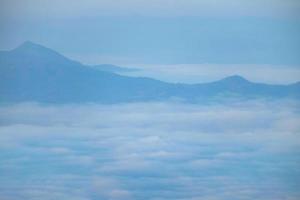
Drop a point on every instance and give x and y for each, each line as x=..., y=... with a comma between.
x=113, y=68
x=32, y=72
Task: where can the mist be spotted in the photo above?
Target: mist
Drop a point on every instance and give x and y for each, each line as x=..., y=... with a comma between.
x=159, y=150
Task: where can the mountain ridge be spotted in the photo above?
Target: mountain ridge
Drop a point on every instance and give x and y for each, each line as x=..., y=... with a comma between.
x=32, y=72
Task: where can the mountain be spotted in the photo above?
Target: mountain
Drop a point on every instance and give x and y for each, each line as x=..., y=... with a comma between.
x=32, y=72
x=113, y=68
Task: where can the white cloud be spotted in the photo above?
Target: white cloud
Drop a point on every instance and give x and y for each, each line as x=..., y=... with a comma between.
x=154, y=150
x=109, y=188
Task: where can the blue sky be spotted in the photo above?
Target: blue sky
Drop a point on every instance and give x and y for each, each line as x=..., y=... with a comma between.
x=158, y=32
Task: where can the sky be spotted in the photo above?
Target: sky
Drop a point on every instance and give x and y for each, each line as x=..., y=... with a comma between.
x=160, y=31
x=150, y=151
x=172, y=33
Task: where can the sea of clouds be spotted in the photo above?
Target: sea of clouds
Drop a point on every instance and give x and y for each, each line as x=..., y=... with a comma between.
x=160, y=150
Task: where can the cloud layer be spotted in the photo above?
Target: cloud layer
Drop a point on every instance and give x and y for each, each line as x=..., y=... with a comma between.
x=143, y=151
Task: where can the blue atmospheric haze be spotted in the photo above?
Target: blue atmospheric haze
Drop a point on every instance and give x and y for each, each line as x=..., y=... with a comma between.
x=149, y=100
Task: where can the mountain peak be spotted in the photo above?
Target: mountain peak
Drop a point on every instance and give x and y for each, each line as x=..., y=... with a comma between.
x=30, y=46
x=29, y=43
x=235, y=78
x=31, y=49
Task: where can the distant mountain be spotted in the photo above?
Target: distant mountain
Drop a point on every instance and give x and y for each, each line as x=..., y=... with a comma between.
x=113, y=68
x=32, y=72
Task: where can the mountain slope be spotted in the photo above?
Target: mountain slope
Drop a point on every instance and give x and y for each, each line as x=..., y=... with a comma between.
x=32, y=72
x=113, y=68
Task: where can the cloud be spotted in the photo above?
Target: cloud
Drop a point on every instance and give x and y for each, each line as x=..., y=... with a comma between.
x=158, y=150
x=108, y=188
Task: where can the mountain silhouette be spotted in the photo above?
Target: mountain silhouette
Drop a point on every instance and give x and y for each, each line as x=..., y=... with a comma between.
x=32, y=72
x=114, y=68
